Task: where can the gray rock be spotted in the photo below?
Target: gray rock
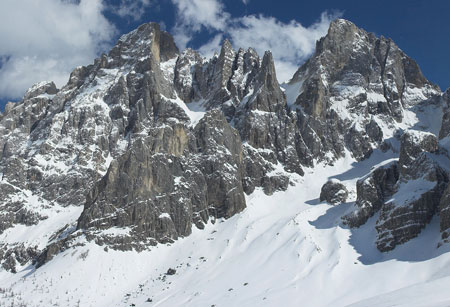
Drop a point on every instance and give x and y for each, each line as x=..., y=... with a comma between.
x=12, y=257
x=333, y=192
x=372, y=191
x=42, y=88
x=444, y=214
x=418, y=192
x=369, y=78
x=170, y=180
x=445, y=126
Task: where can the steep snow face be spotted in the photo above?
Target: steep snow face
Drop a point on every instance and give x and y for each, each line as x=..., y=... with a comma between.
x=286, y=249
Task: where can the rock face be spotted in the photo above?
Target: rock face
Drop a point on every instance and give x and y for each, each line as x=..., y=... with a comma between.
x=333, y=192
x=164, y=184
x=56, y=144
x=372, y=191
x=354, y=87
x=407, y=193
x=147, y=141
x=444, y=134
x=419, y=189
x=246, y=89
x=444, y=214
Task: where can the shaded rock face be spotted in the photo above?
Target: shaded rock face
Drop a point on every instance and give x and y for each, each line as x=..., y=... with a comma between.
x=164, y=184
x=372, y=191
x=444, y=204
x=407, y=193
x=333, y=192
x=418, y=192
x=444, y=214
x=56, y=144
x=445, y=127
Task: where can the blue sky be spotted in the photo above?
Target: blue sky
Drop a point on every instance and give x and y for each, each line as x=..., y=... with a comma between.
x=46, y=40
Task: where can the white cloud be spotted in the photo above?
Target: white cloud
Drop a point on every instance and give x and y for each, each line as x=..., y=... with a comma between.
x=193, y=15
x=211, y=47
x=46, y=39
x=291, y=43
x=197, y=13
x=134, y=9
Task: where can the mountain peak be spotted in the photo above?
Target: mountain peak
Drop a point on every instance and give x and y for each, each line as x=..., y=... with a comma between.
x=146, y=143
x=146, y=40
x=227, y=44
x=342, y=24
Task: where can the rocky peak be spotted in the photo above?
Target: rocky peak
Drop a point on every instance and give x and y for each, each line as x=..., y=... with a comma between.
x=225, y=62
x=221, y=82
x=341, y=35
x=251, y=58
x=41, y=88
x=447, y=94
x=268, y=96
x=146, y=41
x=267, y=74
x=8, y=107
x=360, y=81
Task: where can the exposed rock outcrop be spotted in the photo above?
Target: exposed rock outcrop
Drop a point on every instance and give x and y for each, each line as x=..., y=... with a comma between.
x=333, y=192
x=354, y=84
x=372, y=191
x=418, y=192
x=169, y=180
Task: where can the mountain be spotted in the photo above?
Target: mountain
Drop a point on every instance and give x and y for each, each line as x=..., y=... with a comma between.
x=171, y=179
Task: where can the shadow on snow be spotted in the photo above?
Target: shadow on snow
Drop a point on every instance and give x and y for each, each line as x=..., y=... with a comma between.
x=423, y=247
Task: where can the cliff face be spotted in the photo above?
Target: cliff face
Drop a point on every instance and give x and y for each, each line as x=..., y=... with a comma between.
x=353, y=93
x=153, y=141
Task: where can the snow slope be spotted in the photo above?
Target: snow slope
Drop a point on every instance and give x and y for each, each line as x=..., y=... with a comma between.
x=287, y=249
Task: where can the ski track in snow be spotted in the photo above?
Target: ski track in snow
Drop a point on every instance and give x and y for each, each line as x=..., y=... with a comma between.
x=287, y=249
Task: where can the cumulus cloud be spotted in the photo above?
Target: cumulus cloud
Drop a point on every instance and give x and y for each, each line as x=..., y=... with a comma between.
x=291, y=43
x=46, y=39
x=134, y=9
x=195, y=15
x=211, y=47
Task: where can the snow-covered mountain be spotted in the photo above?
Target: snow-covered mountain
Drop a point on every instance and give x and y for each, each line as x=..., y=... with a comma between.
x=161, y=178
